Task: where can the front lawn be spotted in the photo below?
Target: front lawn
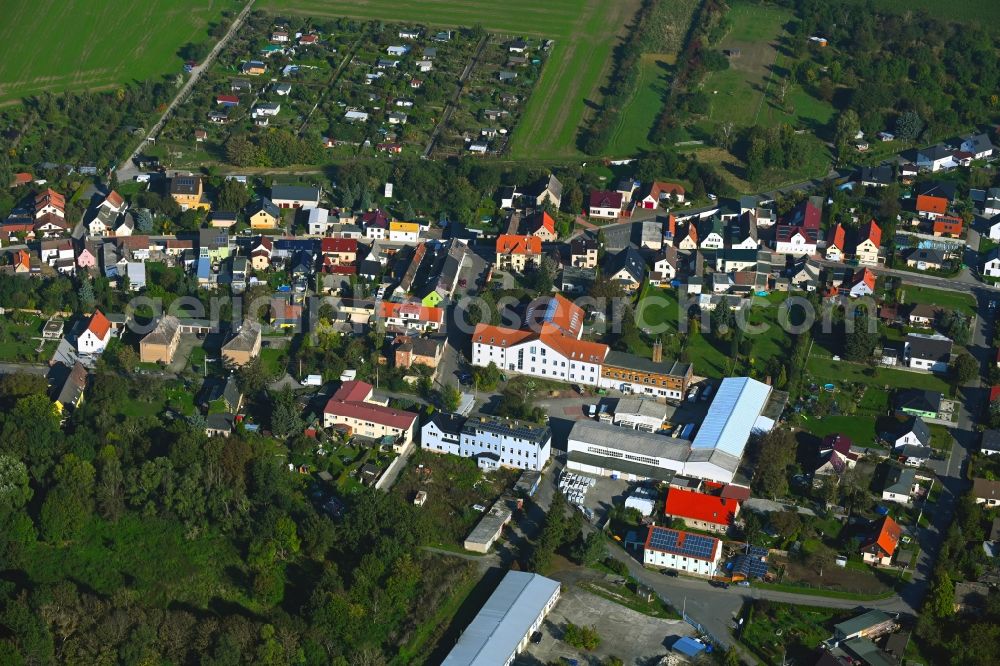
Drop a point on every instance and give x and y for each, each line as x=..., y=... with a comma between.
x=949, y=300
x=822, y=371
x=861, y=429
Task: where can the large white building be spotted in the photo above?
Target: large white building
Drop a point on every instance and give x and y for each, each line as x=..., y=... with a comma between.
x=714, y=455
x=549, y=354
x=682, y=551
x=493, y=442
x=735, y=413
x=503, y=626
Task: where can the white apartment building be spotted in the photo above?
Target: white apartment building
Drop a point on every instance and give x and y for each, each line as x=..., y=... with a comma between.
x=548, y=354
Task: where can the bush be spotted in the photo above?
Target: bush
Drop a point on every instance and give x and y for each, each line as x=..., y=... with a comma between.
x=583, y=638
x=616, y=566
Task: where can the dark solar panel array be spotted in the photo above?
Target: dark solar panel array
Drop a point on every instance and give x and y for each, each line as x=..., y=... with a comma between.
x=692, y=545
x=750, y=567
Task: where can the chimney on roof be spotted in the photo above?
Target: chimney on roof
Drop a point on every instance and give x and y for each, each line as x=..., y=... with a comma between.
x=657, y=352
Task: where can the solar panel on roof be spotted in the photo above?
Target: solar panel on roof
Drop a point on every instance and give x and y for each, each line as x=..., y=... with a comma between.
x=683, y=543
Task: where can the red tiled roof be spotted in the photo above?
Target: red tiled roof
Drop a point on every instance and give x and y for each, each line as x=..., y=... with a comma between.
x=416, y=311
x=837, y=235
x=99, y=324
x=571, y=348
x=865, y=276
x=22, y=258
x=349, y=402
x=738, y=493
x=114, y=199
x=22, y=178
x=227, y=99
x=994, y=392
x=558, y=311
x=948, y=225
x=659, y=187
x=517, y=244
x=52, y=197
x=353, y=391
x=363, y=411
x=887, y=537
x=498, y=336
x=605, y=199
x=931, y=204
x=872, y=232
x=338, y=245
x=542, y=221
x=699, y=506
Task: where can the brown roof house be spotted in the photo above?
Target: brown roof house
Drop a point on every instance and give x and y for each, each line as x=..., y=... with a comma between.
x=243, y=347
x=160, y=344
x=418, y=351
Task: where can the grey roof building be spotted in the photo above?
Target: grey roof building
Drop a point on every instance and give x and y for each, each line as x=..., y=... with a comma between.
x=501, y=628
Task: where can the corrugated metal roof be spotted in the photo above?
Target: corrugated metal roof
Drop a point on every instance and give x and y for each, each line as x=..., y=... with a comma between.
x=731, y=417
x=493, y=636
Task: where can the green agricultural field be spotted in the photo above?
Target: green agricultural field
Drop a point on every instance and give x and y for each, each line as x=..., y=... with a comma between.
x=63, y=45
x=571, y=79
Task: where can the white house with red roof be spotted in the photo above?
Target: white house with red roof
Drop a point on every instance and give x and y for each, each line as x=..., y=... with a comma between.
x=50, y=202
x=835, y=243
x=799, y=231
x=701, y=511
x=863, y=284
x=548, y=353
x=869, y=241
x=354, y=406
x=410, y=316
x=542, y=226
x=114, y=203
x=605, y=204
x=94, y=339
x=661, y=193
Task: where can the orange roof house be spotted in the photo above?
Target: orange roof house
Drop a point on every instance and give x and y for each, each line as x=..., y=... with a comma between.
x=836, y=239
x=50, y=198
x=517, y=244
x=871, y=232
x=702, y=511
x=882, y=545
x=543, y=226
x=22, y=178
x=514, y=251
x=559, y=312
x=947, y=226
x=22, y=261
x=927, y=203
x=499, y=336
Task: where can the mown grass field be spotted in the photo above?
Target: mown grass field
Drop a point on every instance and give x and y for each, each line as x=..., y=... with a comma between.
x=585, y=34
x=63, y=45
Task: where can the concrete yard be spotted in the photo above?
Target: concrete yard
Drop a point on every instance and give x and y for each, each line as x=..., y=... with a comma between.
x=633, y=637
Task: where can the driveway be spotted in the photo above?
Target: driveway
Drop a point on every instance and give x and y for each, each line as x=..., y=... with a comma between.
x=629, y=635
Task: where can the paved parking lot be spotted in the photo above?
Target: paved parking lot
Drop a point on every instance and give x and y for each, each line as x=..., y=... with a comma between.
x=635, y=638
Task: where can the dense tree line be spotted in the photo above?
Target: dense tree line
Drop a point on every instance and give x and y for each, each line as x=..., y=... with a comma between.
x=294, y=586
x=921, y=77
x=95, y=128
x=708, y=25
x=621, y=85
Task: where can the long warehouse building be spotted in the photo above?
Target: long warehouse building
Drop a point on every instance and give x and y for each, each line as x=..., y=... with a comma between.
x=714, y=455
x=506, y=621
